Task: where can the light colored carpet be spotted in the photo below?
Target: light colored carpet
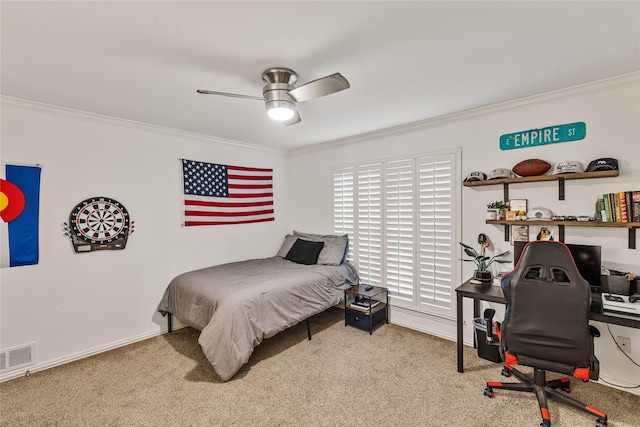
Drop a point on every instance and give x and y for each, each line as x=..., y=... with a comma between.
x=342, y=377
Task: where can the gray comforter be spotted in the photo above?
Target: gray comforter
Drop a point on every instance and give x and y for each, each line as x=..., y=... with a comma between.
x=237, y=305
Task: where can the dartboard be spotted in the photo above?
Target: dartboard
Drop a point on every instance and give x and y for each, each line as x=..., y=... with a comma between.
x=99, y=220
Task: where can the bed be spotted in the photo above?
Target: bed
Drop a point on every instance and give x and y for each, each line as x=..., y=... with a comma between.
x=236, y=306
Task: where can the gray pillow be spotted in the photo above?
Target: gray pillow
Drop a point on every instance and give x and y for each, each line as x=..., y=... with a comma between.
x=335, y=246
x=289, y=240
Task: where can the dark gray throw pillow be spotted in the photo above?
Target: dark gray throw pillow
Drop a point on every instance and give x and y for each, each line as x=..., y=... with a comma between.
x=304, y=252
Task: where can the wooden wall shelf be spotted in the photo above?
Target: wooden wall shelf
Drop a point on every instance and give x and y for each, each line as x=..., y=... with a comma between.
x=632, y=226
x=566, y=223
x=541, y=178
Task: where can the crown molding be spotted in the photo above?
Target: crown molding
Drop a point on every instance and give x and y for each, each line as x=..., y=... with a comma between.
x=25, y=104
x=586, y=89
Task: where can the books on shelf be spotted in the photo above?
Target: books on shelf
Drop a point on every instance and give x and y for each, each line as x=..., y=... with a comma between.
x=363, y=304
x=623, y=206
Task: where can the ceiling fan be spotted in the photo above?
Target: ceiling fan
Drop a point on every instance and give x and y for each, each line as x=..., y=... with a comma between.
x=280, y=95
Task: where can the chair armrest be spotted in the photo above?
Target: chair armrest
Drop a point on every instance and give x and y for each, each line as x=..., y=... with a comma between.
x=488, y=318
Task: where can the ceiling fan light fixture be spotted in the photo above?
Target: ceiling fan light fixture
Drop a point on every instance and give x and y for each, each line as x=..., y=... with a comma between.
x=280, y=96
x=280, y=111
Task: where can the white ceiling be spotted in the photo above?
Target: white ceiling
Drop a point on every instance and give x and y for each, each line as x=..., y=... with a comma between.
x=406, y=61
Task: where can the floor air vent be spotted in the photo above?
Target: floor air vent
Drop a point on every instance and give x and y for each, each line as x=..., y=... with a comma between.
x=17, y=357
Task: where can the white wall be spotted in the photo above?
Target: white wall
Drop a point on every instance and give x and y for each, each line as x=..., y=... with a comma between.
x=610, y=110
x=73, y=305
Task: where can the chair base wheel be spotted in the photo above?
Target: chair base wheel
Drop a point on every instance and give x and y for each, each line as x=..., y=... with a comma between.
x=544, y=390
x=505, y=372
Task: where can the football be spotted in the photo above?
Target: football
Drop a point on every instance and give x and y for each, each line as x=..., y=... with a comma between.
x=531, y=167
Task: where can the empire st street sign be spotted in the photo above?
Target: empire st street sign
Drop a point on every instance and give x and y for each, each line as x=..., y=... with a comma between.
x=543, y=136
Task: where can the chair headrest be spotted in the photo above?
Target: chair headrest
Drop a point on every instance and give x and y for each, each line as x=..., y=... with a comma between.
x=550, y=260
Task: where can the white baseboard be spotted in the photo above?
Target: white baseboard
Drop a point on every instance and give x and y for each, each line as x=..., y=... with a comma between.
x=80, y=355
x=422, y=322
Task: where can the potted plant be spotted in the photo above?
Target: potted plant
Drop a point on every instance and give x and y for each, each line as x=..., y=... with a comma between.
x=482, y=260
x=495, y=210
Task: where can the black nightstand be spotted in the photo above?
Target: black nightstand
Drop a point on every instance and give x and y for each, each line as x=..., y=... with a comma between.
x=365, y=306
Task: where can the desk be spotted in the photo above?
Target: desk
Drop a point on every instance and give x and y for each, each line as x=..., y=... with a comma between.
x=493, y=293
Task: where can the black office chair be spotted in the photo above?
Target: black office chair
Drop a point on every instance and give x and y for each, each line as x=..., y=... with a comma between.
x=546, y=327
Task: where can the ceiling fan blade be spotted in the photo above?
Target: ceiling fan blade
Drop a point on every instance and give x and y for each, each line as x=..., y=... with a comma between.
x=231, y=95
x=320, y=87
x=293, y=120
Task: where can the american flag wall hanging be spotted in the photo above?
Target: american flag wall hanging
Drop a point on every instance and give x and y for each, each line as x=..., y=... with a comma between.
x=221, y=194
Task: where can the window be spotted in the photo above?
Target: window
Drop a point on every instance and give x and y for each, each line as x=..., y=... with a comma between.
x=400, y=216
x=343, y=204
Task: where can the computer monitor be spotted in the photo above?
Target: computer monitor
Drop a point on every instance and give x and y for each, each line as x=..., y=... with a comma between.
x=586, y=257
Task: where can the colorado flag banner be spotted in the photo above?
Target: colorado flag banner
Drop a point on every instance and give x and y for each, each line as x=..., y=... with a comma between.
x=221, y=194
x=19, y=210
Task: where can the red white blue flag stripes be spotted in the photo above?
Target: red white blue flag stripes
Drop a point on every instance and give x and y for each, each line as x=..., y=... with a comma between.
x=217, y=194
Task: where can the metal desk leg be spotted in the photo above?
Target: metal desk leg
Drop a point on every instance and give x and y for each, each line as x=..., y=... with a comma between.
x=460, y=337
x=476, y=313
x=386, y=310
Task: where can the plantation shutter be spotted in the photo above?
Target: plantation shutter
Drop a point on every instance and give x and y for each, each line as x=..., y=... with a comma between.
x=399, y=231
x=343, y=205
x=369, y=224
x=436, y=234
x=400, y=217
